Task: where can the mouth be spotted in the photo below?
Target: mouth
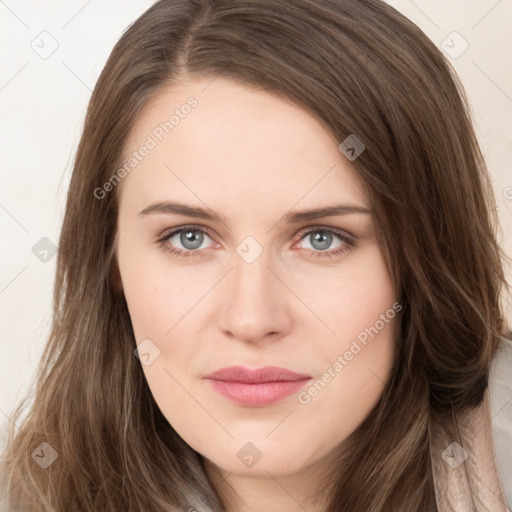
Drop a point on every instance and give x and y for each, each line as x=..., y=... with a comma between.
x=259, y=387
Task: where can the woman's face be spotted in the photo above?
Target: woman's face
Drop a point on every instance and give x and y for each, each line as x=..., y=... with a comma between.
x=261, y=285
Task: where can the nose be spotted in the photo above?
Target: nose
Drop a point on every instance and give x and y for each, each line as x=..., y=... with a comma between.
x=255, y=302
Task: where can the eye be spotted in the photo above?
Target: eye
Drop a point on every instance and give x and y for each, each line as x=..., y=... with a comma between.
x=191, y=239
x=321, y=238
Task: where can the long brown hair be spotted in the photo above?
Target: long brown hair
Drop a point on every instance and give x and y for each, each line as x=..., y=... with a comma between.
x=360, y=68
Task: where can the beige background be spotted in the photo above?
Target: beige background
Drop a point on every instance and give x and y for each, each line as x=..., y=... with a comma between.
x=43, y=101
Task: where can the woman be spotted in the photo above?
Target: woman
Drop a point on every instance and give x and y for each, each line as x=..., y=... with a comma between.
x=278, y=282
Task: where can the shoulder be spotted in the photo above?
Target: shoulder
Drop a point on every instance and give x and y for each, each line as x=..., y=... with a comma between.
x=500, y=394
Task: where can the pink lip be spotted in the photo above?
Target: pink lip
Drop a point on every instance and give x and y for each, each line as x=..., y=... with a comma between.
x=258, y=387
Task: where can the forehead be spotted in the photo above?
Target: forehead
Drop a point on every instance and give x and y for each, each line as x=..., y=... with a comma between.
x=236, y=144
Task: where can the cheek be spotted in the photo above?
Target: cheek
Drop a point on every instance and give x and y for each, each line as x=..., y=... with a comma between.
x=158, y=306
x=157, y=295
x=356, y=355
x=349, y=300
x=349, y=383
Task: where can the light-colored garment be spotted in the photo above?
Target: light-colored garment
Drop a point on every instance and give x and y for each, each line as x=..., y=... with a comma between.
x=500, y=384
x=473, y=468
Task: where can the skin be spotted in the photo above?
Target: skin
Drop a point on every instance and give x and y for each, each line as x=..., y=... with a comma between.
x=253, y=157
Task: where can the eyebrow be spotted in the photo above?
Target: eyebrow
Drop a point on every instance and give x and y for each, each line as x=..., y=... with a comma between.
x=172, y=207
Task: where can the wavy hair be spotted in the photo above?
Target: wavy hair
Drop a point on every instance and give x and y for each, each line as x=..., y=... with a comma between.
x=359, y=67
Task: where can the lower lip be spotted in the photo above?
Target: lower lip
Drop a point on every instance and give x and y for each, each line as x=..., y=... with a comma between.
x=264, y=393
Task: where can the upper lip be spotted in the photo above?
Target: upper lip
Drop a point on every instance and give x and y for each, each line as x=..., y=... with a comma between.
x=259, y=375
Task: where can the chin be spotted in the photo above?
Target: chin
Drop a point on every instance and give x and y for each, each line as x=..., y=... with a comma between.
x=251, y=461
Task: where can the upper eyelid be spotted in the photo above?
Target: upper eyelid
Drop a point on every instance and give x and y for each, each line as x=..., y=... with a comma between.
x=172, y=231
x=319, y=227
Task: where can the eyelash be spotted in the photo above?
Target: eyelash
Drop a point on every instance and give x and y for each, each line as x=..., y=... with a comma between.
x=180, y=253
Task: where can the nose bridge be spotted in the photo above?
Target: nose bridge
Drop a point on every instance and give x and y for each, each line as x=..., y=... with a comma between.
x=251, y=277
x=252, y=280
